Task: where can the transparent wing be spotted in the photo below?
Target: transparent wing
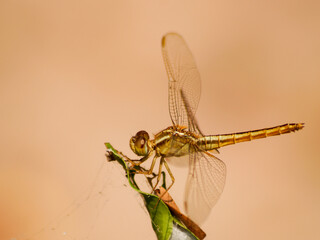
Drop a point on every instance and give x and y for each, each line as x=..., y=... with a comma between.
x=184, y=81
x=206, y=173
x=204, y=185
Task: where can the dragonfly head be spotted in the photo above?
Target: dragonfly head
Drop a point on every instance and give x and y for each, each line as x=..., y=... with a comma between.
x=140, y=143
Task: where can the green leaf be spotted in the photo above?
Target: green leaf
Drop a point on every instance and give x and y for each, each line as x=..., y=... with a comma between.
x=160, y=215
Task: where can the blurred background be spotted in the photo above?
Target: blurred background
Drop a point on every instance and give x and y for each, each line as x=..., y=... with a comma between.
x=76, y=74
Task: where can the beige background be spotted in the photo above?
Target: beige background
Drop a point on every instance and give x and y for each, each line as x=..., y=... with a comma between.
x=75, y=74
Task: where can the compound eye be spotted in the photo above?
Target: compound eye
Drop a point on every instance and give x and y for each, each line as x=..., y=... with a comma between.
x=142, y=134
x=142, y=142
x=139, y=143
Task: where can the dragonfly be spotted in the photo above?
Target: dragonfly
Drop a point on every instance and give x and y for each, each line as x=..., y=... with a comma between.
x=207, y=173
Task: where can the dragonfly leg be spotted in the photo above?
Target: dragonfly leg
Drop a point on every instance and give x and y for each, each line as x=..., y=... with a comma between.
x=170, y=173
x=163, y=161
x=139, y=162
x=159, y=174
x=148, y=172
x=131, y=161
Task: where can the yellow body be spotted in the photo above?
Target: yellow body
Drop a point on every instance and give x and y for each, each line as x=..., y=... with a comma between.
x=176, y=141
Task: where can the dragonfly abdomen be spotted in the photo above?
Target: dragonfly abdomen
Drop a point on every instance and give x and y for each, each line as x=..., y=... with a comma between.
x=216, y=141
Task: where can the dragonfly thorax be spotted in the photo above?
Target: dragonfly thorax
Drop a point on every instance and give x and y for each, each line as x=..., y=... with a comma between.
x=140, y=143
